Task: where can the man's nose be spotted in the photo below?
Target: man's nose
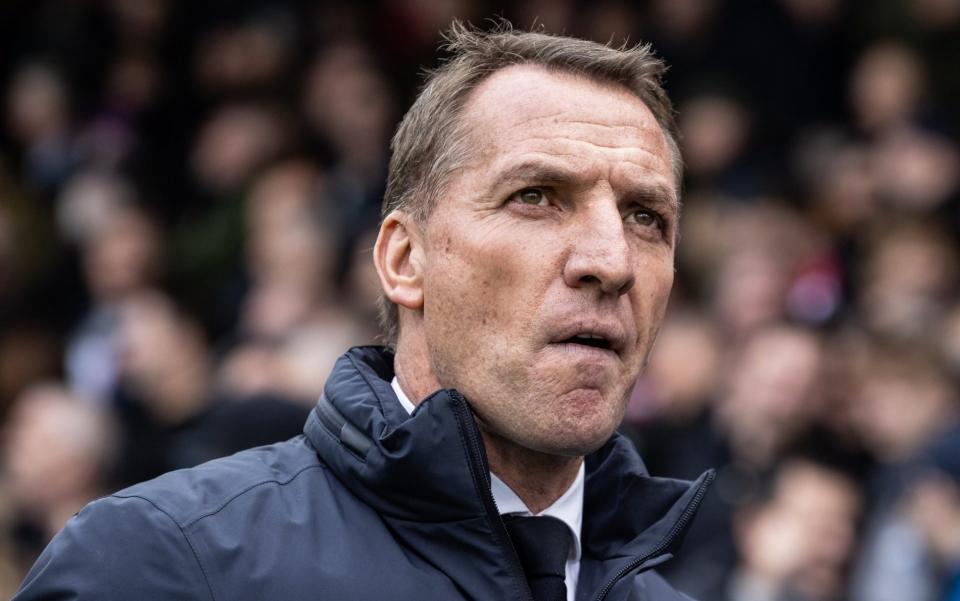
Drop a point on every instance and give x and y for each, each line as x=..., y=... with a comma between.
x=600, y=254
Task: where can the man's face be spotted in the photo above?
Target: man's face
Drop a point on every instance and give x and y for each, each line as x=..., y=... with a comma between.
x=549, y=259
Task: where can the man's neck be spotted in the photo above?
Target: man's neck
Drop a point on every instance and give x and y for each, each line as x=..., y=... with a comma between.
x=539, y=479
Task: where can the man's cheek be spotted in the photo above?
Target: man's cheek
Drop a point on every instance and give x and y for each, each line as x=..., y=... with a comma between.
x=456, y=305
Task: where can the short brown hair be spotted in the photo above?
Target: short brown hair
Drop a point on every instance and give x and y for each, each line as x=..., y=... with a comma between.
x=429, y=144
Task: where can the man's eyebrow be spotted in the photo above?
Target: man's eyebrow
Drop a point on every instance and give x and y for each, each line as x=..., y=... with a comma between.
x=534, y=173
x=656, y=195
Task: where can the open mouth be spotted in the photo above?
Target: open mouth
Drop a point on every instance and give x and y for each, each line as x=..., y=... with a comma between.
x=591, y=340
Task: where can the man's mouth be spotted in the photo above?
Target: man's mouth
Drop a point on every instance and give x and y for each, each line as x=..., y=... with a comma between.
x=591, y=340
x=590, y=333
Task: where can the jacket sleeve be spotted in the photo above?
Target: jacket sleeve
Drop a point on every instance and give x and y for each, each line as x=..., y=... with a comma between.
x=118, y=548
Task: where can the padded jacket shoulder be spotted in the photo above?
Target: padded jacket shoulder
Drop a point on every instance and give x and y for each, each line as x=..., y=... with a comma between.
x=150, y=541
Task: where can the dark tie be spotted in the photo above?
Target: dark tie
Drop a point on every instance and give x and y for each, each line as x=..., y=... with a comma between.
x=542, y=542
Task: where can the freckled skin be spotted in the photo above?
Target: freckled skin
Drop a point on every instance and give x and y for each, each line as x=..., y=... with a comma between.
x=501, y=276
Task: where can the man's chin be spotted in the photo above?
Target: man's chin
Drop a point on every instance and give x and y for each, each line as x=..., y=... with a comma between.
x=582, y=449
x=571, y=444
x=559, y=441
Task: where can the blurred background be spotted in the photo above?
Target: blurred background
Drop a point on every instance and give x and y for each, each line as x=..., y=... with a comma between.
x=189, y=193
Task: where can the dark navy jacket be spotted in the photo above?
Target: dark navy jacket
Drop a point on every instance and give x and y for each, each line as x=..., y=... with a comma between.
x=369, y=504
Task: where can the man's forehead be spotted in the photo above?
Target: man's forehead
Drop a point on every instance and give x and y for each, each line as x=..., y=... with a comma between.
x=527, y=93
x=518, y=103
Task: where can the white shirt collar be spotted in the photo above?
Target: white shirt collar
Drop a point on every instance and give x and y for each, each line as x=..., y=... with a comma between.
x=568, y=508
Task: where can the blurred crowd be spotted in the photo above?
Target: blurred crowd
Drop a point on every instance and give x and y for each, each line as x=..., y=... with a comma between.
x=189, y=193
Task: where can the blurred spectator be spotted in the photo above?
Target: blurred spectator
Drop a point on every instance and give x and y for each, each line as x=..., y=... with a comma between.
x=682, y=375
x=58, y=453
x=121, y=257
x=349, y=105
x=87, y=200
x=909, y=273
x=772, y=395
x=38, y=118
x=934, y=510
x=290, y=247
x=172, y=415
x=906, y=413
x=714, y=131
x=233, y=142
x=796, y=544
x=915, y=170
x=754, y=257
x=837, y=177
x=294, y=368
x=308, y=357
x=886, y=87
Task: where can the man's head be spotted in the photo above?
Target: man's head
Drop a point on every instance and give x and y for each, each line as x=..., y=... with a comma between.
x=529, y=229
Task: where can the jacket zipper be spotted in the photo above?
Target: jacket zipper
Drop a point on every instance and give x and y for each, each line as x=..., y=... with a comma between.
x=481, y=479
x=681, y=524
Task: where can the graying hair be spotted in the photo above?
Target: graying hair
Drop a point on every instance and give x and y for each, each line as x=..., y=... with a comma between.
x=430, y=143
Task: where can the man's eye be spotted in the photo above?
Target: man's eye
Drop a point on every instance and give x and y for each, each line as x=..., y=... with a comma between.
x=532, y=196
x=646, y=218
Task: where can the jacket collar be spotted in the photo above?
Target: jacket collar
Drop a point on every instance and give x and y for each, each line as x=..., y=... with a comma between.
x=419, y=470
x=386, y=457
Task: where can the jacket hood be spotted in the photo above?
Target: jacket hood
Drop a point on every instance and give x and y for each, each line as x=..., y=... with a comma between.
x=420, y=468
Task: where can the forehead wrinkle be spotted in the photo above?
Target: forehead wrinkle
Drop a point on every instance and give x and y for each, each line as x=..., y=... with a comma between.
x=630, y=128
x=588, y=130
x=621, y=149
x=619, y=138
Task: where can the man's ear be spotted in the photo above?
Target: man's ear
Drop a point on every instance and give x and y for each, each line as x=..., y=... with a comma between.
x=398, y=256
